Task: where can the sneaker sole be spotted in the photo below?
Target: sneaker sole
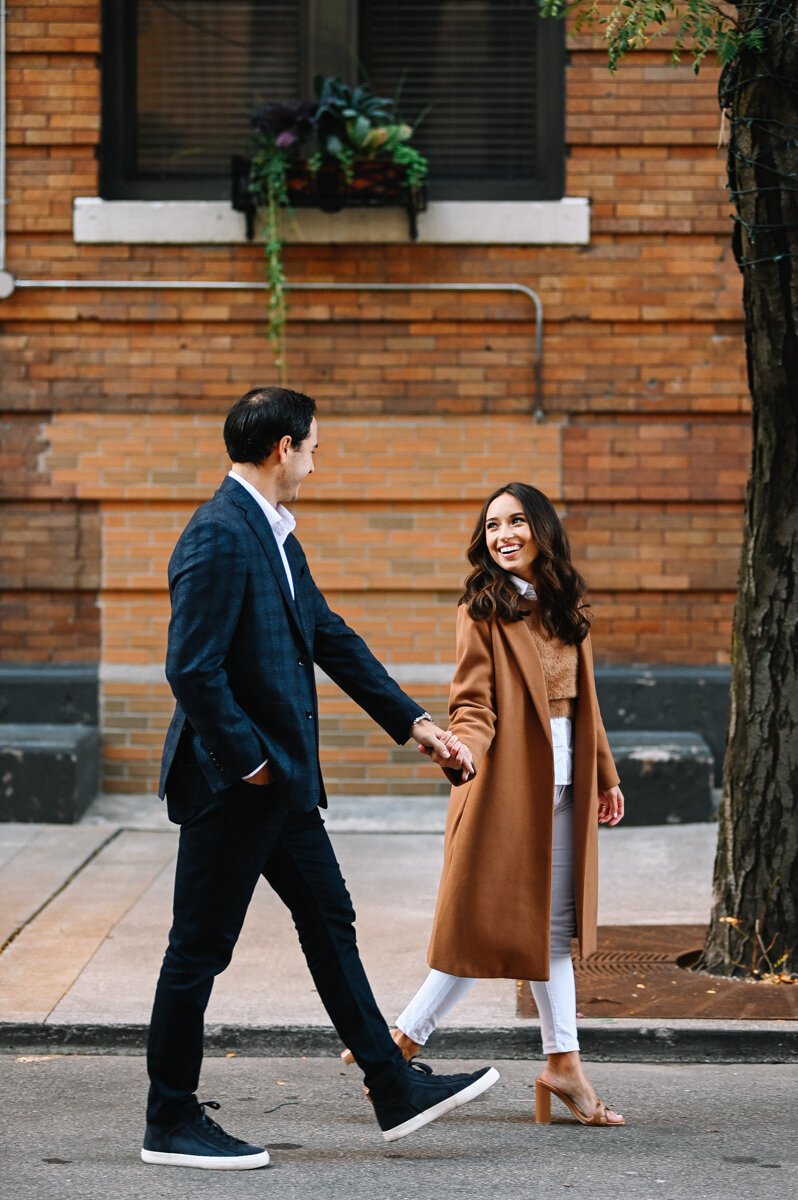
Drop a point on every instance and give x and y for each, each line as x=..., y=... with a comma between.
x=232, y=1162
x=439, y=1110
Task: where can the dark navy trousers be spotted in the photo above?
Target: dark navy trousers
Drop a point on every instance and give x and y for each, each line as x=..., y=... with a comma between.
x=227, y=841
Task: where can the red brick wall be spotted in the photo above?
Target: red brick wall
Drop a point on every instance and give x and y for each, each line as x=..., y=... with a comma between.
x=111, y=403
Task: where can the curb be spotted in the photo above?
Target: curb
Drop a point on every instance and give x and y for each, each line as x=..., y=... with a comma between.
x=621, y=1041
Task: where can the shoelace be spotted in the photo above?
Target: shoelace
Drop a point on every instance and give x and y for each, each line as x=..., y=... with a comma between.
x=225, y=1136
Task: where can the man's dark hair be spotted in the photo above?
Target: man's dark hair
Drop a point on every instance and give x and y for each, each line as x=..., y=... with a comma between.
x=256, y=422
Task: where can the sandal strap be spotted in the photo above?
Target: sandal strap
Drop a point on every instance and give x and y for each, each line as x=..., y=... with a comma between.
x=603, y=1108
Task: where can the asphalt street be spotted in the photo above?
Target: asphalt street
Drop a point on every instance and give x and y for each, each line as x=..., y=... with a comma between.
x=72, y=1129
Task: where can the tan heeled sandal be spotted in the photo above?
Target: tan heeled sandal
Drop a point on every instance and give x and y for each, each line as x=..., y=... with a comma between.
x=408, y=1047
x=543, y=1094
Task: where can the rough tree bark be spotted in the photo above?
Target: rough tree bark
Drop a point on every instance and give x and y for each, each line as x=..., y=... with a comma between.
x=756, y=868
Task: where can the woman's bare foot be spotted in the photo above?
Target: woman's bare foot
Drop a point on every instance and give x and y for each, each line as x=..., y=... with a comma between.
x=564, y=1071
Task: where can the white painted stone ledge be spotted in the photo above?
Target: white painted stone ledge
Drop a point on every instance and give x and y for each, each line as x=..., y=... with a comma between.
x=401, y=672
x=184, y=222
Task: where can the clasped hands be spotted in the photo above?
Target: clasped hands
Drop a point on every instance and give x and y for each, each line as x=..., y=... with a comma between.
x=444, y=748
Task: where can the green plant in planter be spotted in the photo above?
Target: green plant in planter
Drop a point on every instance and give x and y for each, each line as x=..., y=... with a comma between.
x=343, y=126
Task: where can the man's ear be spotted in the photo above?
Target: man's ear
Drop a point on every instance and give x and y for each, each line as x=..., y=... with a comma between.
x=283, y=446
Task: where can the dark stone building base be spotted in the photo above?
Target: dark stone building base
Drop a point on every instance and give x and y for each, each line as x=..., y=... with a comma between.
x=667, y=778
x=48, y=773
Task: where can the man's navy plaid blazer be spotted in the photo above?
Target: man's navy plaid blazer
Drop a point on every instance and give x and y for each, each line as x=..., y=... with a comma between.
x=241, y=653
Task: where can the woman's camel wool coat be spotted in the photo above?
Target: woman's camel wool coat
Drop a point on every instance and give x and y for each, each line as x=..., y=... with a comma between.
x=493, y=913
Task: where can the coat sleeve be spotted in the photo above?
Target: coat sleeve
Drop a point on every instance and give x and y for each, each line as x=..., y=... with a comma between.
x=472, y=703
x=607, y=772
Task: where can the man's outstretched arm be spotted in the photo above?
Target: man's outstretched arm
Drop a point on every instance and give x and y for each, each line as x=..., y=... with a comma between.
x=344, y=656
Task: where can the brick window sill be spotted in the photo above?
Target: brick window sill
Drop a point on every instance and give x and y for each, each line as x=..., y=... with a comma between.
x=531, y=222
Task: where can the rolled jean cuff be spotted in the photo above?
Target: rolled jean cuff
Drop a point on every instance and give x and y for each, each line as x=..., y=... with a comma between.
x=436, y=996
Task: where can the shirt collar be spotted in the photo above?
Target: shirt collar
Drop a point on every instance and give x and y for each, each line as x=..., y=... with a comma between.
x=526, y=589
x=281, y=520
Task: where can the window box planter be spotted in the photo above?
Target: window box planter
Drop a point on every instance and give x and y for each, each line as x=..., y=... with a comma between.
x=373, y=183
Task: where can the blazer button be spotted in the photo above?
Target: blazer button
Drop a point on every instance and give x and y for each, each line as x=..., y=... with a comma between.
x=300, y=662
x=309, y=716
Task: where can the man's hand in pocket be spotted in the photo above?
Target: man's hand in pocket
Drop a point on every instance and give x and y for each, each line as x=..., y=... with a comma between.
x=261, y=776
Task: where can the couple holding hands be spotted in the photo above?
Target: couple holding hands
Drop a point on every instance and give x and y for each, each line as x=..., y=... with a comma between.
x=526, y=753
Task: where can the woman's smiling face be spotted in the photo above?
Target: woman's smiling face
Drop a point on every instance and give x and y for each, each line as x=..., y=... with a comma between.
x=509, y=538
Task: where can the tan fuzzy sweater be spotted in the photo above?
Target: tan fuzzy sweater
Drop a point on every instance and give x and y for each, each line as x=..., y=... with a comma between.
x=560, y=667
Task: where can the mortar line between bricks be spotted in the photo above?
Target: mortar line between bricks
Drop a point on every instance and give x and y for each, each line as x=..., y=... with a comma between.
x=436, y=590
x=409, y=505
x=12, y=937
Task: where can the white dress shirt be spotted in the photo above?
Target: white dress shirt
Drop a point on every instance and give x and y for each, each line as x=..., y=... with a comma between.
x=281, y=522
x=561, y=727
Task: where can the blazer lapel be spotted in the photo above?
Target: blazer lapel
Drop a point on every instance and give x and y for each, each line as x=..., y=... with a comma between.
x=525, y=653
x=296, y=561
x=260, y=527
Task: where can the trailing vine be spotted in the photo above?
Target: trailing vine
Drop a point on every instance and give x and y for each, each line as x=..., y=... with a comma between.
x=268, y=180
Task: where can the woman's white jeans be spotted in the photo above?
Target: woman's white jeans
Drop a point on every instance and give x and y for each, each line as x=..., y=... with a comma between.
x=556, y=997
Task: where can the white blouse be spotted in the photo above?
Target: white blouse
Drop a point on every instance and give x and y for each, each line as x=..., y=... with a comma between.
x=562, y=739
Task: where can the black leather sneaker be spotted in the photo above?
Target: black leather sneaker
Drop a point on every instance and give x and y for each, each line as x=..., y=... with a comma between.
x=200, y=1142
x=419, y=1097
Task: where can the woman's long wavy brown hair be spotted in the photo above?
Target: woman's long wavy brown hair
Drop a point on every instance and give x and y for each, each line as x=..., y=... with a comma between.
x=560, y=588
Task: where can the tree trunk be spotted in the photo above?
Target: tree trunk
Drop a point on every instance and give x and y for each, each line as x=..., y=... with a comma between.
x=756, y=868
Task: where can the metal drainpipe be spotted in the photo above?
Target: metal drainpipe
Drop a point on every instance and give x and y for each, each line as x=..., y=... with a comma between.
x=236, y=286
x=6, y=280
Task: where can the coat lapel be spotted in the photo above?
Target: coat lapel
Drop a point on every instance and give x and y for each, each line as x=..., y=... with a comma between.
x=525, y=652
x=260, y=527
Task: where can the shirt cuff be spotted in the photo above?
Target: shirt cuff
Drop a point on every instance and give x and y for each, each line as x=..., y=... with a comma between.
x=260, y=768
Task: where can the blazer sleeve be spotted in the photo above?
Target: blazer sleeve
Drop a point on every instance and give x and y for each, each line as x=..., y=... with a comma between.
x=472, y=703
x=344, y=656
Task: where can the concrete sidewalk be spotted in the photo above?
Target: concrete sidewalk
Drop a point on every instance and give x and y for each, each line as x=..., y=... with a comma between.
x=86, y=911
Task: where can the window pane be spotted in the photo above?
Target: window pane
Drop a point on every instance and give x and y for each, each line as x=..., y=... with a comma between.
x=473, y=62
x=200, y=65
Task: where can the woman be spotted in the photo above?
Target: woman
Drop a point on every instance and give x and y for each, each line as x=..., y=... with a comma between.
x=520, y=854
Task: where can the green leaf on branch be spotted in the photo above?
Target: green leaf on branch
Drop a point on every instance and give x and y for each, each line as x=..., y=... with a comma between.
x=698, y=27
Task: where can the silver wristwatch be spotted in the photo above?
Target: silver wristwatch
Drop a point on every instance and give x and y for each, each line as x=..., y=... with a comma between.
x=421, y=717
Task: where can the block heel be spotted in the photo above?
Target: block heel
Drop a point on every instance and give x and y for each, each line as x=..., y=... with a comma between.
x=542, y=1104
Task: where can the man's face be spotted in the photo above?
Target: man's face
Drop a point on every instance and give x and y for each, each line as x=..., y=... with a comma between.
x=298, y=464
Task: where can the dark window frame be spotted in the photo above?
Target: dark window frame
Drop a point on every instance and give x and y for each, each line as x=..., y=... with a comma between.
x=326, y=18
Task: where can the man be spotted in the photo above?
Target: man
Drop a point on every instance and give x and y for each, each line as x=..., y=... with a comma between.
x=241, y=777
